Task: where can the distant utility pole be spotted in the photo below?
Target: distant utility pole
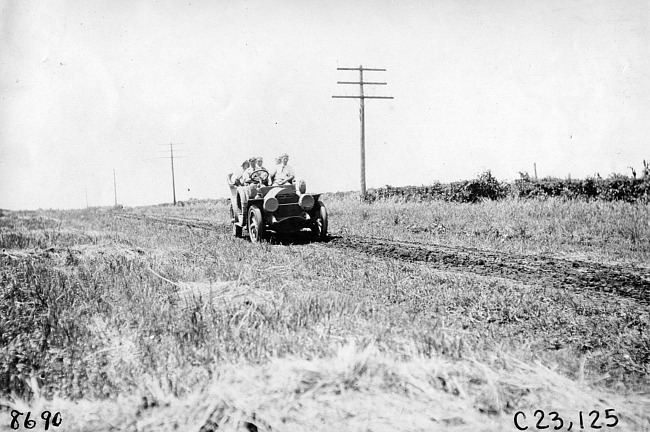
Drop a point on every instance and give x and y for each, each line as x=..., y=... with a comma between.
x=535, y=167
x=86, y=190
x=363, y=97
x=171, y=149
x=171, y=157
x=115, y=187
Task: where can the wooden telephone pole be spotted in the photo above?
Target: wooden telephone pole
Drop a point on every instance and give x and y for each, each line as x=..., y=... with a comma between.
x=362, y=115
x=172, y=157
x=171, y=148
x=115, y=187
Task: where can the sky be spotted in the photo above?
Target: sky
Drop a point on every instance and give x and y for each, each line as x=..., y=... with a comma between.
x=94, y=92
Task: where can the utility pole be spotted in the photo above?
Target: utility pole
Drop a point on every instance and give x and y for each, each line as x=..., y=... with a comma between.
x=86, y=190
x=171, y=149
x=115, y=187
x=362, y=115
x=172, y=157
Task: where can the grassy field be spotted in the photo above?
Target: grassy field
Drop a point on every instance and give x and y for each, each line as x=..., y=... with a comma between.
x=130, y=324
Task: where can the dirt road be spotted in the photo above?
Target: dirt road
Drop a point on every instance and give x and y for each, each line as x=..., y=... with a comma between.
x=625, y=281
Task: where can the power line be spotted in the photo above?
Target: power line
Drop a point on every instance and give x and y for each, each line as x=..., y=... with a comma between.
x=362, y=97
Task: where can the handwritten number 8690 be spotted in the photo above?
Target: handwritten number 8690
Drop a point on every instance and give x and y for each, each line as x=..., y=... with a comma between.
x=31, y=424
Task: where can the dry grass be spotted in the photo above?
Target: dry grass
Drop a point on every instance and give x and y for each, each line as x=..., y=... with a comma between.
x=358, y=389
x=99, y=312
x=598, y=231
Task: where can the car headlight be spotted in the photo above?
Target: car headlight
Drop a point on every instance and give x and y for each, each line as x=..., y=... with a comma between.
x=302, y=186
x=306, y=202
x=271, y=204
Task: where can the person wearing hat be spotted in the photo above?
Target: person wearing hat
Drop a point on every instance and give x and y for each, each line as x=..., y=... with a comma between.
x=284, y=174
x=274, y=171
x=237, y=177
x=260, y=163
x=260, y=166
x=246, y=175
x=256, y=163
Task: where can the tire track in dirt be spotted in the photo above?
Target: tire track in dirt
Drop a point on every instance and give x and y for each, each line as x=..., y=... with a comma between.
x=180, y=221
x=625, y=281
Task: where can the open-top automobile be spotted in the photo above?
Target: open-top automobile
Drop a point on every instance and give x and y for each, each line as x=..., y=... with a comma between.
x=259, y=209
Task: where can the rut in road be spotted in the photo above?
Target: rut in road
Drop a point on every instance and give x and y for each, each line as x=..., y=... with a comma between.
x=625, y=281
x=173, y=220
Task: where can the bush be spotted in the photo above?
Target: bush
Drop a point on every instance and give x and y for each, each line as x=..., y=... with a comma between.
x=487, y=187
x=615, y=188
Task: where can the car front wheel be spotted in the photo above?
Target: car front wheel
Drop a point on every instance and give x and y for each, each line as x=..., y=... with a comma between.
x=256, y=227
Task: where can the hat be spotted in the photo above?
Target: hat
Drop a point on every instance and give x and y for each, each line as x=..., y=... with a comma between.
x=283, y=155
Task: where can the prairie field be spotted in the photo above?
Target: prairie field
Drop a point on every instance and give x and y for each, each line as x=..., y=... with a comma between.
x=412, y=316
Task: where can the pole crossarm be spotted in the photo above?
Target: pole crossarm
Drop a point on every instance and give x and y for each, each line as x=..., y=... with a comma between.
x=362, y=69
x=363, y=97
x=357, y=83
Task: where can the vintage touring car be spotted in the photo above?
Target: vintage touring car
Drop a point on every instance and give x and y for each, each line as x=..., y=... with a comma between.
x=260, y=209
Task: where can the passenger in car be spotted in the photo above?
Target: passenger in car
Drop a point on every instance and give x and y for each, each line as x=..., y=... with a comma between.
x=246, y=175
x=274, y=170
x=260, y=166
x=237, y=177
x=285, y=174
x=260, y=163
x=256, y=163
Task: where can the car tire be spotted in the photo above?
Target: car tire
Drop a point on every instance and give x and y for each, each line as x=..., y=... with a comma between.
x=236, y=229
x=319, y=228
x=256, y=228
